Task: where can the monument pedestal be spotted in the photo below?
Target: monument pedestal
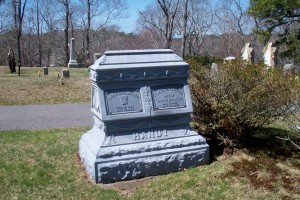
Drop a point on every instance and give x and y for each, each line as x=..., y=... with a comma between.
x=146, y=152
x=73, y=64
x=141, y=106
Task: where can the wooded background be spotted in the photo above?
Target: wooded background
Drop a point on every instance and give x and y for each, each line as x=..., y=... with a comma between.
x=39, y=30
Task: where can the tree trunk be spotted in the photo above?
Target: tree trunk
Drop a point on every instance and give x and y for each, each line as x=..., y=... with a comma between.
x=183, y=40
x=38, y=33
x=66, y=31
x=87, y=36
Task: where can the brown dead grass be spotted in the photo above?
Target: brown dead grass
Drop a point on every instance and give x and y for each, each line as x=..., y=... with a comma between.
x=267, y=174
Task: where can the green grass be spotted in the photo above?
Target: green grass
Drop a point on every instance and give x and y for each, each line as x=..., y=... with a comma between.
x=31, y=89
x=44, y=165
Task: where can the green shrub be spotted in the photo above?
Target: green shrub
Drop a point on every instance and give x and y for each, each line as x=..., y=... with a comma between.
x=238, y=98
x=203, y=60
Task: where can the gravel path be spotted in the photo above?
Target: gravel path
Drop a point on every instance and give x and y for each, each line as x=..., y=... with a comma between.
x=34, y=117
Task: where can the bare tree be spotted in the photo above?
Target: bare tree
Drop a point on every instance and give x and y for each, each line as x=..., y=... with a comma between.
x=200, y=20
x=95, y=15
x=184, y=19
x=39, y=32
x=18, y=12
x=50, y=19
x=32, y=35
x=66, y=5
x=4, y=25
x=233, y=24
x=161, y=16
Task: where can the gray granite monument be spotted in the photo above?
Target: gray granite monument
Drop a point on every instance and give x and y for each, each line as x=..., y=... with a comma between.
x=73, y=61
x=141, y=109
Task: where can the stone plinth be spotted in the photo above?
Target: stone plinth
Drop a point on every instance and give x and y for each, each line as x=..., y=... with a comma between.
x=141, y=105
x=65, y=73
x=45, y=71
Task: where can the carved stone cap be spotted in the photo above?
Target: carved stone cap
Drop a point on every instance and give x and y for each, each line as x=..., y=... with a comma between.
x=138, y=64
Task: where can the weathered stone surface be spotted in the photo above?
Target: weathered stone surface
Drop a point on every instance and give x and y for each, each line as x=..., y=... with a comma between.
x=141, y=105
x=72, y=61
x=45, y=70
x=65, y=73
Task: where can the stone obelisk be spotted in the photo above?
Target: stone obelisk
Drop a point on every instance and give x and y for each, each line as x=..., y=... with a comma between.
x=73, y=61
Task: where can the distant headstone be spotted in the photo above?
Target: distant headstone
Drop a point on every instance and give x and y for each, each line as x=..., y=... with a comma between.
x=141, y=105
x=270, y=55
x=229, y=58
x=65, y=73
x=45, y=70
x=96, y=56
x=289, y=69
x=248, y=53
x=11, y=60
x=73, y=61
x=214, y=68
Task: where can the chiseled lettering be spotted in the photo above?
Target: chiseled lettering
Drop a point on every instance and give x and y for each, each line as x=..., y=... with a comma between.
x=144, y=136
x=150, y=135
x=136, y=136
x=158, y=134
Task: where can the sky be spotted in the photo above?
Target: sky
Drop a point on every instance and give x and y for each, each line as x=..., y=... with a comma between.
x=128, y=25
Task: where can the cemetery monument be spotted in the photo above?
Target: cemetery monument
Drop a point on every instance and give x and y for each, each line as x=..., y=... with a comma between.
x=141, y=109
x=248, y=53
x=270, y=55
x=73, y=61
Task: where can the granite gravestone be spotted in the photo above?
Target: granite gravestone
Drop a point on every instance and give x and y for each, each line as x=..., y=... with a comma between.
x=141, y=105
x=72, y=61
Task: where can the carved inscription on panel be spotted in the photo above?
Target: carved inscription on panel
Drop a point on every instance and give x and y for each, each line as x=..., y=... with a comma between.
x=168, y=97
x=118, y=102
x=150, y=135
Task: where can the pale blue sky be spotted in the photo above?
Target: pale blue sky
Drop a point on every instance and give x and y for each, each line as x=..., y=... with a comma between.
x=134, y=6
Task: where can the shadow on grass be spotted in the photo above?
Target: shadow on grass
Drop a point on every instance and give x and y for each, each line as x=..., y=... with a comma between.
x=263, y=161
x=262, y=140
x=266, y=140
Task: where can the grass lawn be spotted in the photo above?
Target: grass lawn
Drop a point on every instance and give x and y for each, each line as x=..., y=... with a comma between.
x=44, y=165
x=31, y=89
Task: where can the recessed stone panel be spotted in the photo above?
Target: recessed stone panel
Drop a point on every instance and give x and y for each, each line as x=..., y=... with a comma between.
x=125, y=101
x=169, y=97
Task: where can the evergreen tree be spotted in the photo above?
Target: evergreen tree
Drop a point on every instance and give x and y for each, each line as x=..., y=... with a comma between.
x=282, y=16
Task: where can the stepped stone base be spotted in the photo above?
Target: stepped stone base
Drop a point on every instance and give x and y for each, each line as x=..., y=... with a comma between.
x=113, y=162
x=73, y=64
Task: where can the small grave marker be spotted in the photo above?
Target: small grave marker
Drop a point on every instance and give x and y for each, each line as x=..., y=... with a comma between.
x=45, y=71
x=65, y=73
